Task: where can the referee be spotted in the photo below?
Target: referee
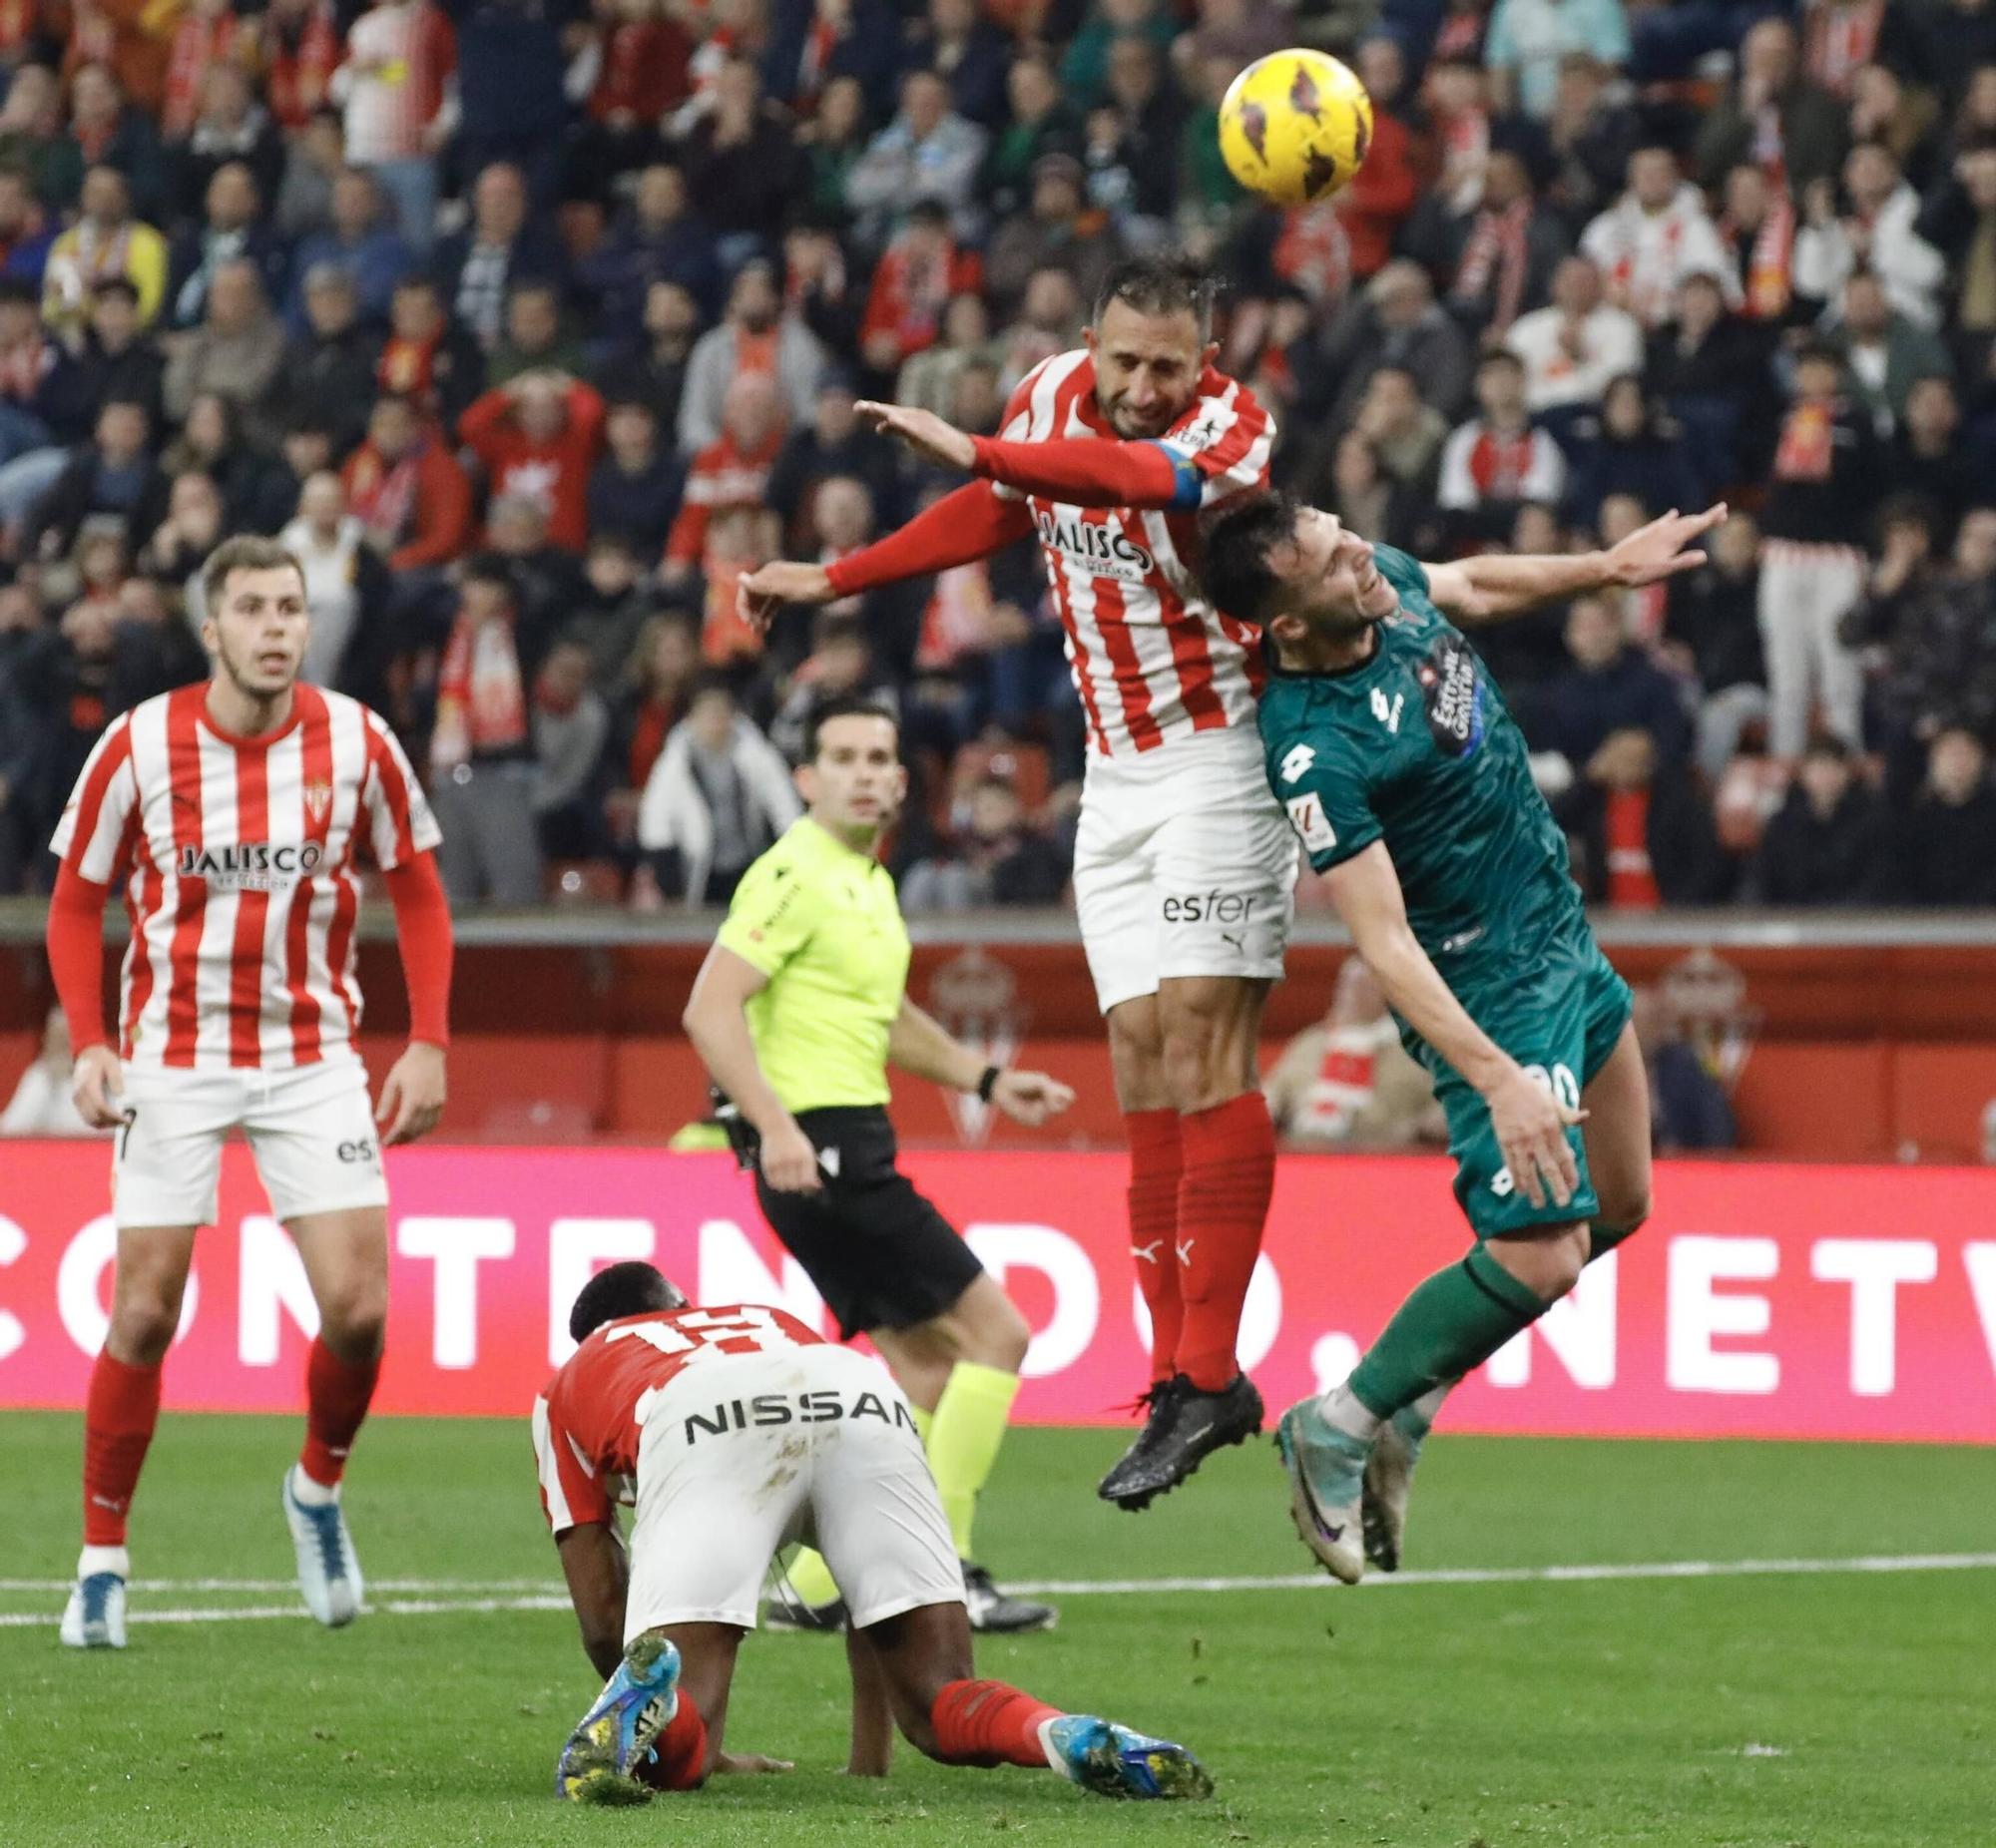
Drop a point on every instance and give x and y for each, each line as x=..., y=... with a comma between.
x=798, y=1011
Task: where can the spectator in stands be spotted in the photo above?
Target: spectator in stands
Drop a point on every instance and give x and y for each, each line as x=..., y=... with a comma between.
x=1395, y=321
x=840, y=666
x=511, y=67
x=1828, y=844
x=928, y=380
x=25, y=237
x=1877, y=234
x=1609, y=686
x=742, y=164
x=1708, y=367
x=1527, y=40
x=114, y=356
x=233, y=229
x=995, y=858
x=298, y=46
x=327, y=377
x=1041, y=121
x=113, y=474
x=730, y=472
x=232, y=126
x=1653, y=236
x=1348, y=1083
x=1385, y=190
x=969, y=52
x=428, y=358
x=1499, y=255
x=1711, y=636
x=1959, y=220
x=32, y=143
x=1048, y=323
x=107, y=130
x=571, y=726
x=1133, y=140
x=482, y=766
x=1757, y=230
x=929, y=152
x=251, y=482
x=1057, y=230
x=641, y=57
x=363, y=244
x=1592, y=134
x=612, y=604
x=653, y=372
x=1499, y=458
x=1689, y=1111
x=1947, y=842
x=1641, y=836
x=44, y=401
x=538, y=437
x=236, y=352
x=917, y=275
x=755, y=336
x=1884, y=352
x=658, y=238
x=833, y=442
x=1576, y=345
x=1928, y=456
x=104, y=242
x=652, y=692
x=550, y=583
x=502, y=245
x=717, y=796
x=536, y=340
x=1774, y=115
x=1629, y=448
x=1405, y=431
x=406, y=489
x=399, y=57
x=634, y=491
x=313, y=164
x=347, y=590
x=1813, y=571
x=197, y=522
x=829, y=146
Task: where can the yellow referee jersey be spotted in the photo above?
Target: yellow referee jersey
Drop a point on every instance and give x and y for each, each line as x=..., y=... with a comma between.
x=823, y=924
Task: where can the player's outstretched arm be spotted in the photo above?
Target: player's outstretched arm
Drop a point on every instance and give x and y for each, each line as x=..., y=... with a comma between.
x=1489, y=589
x=598, y=1574
x=1529, y=1121
x=918, y=1043
x=972, y=523
x=873, y=1750
x=719, y=1034
x=1086, y=471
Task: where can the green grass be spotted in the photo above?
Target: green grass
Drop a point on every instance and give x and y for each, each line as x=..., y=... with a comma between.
x=1434, y=1716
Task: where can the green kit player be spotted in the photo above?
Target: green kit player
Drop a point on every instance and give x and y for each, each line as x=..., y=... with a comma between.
x=1406, y=779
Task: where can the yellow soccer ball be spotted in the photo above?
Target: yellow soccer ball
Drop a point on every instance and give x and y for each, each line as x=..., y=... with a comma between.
x=1294, y=126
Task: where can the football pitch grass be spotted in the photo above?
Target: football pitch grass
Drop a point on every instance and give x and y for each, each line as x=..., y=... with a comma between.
x=1478, y=1704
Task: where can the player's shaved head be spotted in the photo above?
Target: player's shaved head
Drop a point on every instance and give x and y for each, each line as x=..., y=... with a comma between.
x=630, y=1289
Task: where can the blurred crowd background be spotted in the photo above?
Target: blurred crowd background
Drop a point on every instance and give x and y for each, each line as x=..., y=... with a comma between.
x=531, y=325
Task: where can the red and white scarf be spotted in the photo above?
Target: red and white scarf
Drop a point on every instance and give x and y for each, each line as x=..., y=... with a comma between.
x=1496, y=242
x=1771, y=262
x=482, y=703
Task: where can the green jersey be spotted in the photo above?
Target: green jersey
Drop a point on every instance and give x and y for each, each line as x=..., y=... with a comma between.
x=1417, y=748
x=823, y=923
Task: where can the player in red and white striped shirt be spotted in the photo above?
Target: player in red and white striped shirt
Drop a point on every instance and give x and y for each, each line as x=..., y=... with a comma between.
x=235, y=815
x=1185, y=866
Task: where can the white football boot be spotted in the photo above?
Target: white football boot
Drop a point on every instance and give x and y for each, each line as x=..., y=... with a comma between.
x=94, y=1618
x=328, y=1568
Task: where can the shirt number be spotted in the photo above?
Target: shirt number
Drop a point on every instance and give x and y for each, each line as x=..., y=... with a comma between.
x=1296, y=764
x=1389, y=715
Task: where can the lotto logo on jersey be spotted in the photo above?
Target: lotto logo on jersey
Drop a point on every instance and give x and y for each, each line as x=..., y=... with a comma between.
x=1452, y=698
x=1105, y=550
x=253, y=865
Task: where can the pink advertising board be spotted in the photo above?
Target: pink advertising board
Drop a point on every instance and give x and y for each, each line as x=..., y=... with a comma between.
x=1761, y=1301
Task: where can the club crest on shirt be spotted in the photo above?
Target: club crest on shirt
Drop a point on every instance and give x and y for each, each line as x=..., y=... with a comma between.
x=318, y=801
x=1452, y=697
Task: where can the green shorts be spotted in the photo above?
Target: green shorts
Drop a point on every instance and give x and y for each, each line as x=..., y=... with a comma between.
x=1560, y=1023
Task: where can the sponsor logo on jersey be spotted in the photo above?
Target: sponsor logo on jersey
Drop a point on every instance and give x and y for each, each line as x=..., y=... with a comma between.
x=1452, y=698
x=1207, y=907
x=1104, y=549
x=796, y=1408
x=253, y=865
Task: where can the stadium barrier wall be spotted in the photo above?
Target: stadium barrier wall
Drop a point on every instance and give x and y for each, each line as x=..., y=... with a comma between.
x=1761, y=1302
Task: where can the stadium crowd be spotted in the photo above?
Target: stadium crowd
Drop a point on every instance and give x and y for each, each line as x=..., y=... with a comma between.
x=530, y=326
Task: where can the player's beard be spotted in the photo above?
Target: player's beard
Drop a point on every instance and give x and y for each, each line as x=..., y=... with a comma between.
x=1134, y=427
x=250, y=680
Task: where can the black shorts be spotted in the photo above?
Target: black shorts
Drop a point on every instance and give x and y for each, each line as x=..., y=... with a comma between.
x=880, y=1254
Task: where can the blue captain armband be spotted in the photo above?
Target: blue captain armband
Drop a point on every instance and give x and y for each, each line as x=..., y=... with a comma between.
x=1190, y=489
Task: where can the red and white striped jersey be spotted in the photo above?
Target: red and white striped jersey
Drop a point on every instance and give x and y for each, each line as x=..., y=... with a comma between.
x=239, y=858
x=588, y=1422
x=1151, y=658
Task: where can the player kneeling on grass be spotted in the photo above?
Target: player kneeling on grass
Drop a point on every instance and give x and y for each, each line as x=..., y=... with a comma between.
x=736, y=1431
x=233, y=814
x=1406, y=779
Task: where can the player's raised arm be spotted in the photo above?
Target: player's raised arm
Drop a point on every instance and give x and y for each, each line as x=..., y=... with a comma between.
x=1528, y=1120
x=1489, y=589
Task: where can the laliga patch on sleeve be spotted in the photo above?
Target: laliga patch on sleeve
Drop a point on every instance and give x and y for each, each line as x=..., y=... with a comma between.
x=1307, y=818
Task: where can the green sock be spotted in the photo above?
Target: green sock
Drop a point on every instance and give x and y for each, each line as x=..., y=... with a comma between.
x=964, y=1437
x=810, y=1578
x=1453, y=1322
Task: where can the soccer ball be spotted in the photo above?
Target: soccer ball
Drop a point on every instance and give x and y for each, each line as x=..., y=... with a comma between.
x=1294, y=126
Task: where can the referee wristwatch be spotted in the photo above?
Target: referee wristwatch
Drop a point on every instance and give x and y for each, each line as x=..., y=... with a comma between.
x=985, y=1085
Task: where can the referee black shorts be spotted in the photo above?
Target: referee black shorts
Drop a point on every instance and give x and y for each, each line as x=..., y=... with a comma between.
x=880, y=1254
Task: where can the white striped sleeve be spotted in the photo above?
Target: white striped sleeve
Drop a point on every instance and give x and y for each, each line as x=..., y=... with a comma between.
x=92, y=829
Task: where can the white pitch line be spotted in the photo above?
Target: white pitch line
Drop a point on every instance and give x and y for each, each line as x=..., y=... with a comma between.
x=548, y=1597
x=291, y=1584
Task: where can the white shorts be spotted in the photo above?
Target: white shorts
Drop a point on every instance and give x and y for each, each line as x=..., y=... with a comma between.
x=742, y=1454
x=1185, y=866
x=310, y=1130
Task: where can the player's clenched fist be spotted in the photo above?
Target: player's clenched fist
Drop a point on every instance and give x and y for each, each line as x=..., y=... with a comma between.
x=1530, y=1125
x=96, y=1086
x=1030, y=1097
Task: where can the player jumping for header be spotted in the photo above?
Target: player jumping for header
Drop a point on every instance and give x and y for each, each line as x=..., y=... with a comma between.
x=1184, y=866
x=1407, y=781
x=736, y=1431
x=235, y=815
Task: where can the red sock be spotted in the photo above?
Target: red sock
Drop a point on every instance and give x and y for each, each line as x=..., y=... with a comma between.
x=1155, y=1162
x=682, y=1749
x=118, y=1421
x=987, y=1722
x=1230, y=1173
x=336, y=1396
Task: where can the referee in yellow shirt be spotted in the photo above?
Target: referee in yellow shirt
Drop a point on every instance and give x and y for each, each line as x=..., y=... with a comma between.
x=797, y=1011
